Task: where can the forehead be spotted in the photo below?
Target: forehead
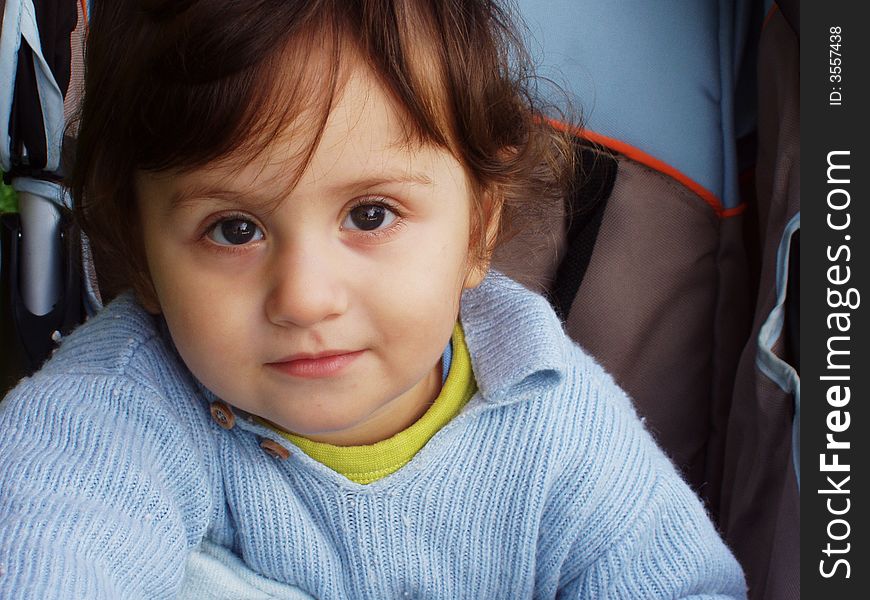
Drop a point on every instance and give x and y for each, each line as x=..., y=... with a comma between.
x=364, y=140
x=363, y=127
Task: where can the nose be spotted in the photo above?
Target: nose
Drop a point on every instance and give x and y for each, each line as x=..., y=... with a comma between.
x=306, y=288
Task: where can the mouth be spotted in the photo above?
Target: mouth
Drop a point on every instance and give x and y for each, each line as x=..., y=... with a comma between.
x=316, y=366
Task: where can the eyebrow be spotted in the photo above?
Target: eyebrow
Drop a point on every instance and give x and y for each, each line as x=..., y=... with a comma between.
x=199, y=193
x=370, y=182
x=196, y=193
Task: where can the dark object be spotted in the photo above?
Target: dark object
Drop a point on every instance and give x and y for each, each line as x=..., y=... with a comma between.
x=27, y=339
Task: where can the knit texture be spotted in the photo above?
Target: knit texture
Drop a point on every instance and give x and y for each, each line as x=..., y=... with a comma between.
x=366, y=464
x=115, y=482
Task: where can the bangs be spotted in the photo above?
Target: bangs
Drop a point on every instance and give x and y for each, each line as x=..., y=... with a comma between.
x=208, y=97
x=231, y=111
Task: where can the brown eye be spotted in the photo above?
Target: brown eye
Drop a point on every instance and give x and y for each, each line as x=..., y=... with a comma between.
x=235, y=232
x=368, y=217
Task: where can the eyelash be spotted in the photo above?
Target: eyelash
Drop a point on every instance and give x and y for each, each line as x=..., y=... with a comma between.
x=374, y=235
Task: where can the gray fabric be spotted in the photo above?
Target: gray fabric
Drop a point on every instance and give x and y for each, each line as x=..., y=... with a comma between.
x=760, y=509
x=733, y=321
x=76, y=87
x=646, y=307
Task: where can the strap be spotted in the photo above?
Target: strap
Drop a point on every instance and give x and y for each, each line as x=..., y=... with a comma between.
x=595, y=176
x=779, y=371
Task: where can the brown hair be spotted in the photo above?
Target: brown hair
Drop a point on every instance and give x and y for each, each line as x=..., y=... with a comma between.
x=178, y=84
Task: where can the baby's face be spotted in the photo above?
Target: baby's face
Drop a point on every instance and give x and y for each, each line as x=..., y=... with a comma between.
x=327, y=315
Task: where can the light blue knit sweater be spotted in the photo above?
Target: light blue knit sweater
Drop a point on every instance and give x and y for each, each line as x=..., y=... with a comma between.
x=116, y=482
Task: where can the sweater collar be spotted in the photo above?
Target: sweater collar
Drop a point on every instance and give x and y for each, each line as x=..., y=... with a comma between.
x=516, y=341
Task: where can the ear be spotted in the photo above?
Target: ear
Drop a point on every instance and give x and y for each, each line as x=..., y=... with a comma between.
x=479, y=265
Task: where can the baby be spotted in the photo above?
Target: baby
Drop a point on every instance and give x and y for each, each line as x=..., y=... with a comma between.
x=309, y=382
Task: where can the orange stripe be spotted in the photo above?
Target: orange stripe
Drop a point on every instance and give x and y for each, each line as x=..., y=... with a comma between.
x=652, y=162
x=773, y=8
x=733, y=212
x=84, y=5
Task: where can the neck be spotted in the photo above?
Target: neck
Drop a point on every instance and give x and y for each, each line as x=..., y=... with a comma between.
x=390, y=419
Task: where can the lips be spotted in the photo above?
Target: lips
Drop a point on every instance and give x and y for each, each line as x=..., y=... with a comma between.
x=313, y=366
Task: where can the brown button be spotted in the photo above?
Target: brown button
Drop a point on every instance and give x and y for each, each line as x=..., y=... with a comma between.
x=222, y=415
x=274, y=449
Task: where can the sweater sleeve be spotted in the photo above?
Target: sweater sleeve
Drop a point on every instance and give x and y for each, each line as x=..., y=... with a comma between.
x=102, y=490
x=630, y=526
x=670, y=550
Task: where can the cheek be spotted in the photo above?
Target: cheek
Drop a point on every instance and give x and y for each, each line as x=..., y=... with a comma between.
x=422, y=293
x=211, y=344
x=207, y=317
x=200, y=336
